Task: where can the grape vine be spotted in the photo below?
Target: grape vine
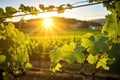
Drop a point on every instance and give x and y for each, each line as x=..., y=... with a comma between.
x=97, y=50
x=14, y=47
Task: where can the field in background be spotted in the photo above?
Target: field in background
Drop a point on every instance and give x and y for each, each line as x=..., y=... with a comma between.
x=45, y=42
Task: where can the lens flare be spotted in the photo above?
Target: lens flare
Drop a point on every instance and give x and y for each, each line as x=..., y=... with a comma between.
x=47, y=22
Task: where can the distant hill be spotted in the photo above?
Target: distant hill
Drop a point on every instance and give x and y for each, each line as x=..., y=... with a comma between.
x=101, y=21
x=59, y=23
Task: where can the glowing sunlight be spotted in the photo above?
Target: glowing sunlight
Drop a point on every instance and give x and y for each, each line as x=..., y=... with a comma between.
x=47, y=22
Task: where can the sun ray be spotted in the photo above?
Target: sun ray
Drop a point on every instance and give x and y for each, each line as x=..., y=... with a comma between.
x=47, y=23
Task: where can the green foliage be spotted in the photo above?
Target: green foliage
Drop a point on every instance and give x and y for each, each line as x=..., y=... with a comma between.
x=32, y=10
x=2, y=59
x=110, y=26
x=64, y=53
x=87, y=40
x=13, y=49
x=55, y=67
x=8, y=13
x=10, y=10
x=69, y=53
x=79, y=55
x=103, y=62
x=61, y=9
x=28, y=9
x=1, y=12
x=98, y=61
x=69, y=6
x=92, y=59
x=98, y=50
x=41, y=6
x=99, y=46
x=119, y=28
x=95, y=49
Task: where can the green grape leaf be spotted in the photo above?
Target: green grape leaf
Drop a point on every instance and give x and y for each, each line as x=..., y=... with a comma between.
x=102, y=44
x=10, y=29
x=21, y=58
x=79, y=55
x=55, y=55
x=110, y=26
x=69, y=6
x=41, y=6
x=114, y=51
x=119, y=28
x=28, y=66
x=50, y=8
x=92, y=59
x=2, y=59
x=1, y=12
x=10, y=10
x=103, y=62
x=67, y=52
x=22, y=7
x=117, y=8
x=55, y=67
x=27, y=9
x=99, y=46
x=14, y=47
x=33, y=10
x=87, y=40
x=61, y=9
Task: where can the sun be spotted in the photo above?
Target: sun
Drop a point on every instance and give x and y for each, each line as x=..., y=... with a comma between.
x=47, y=22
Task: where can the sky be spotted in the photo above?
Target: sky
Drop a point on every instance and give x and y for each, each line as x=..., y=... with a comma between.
x=81, y=13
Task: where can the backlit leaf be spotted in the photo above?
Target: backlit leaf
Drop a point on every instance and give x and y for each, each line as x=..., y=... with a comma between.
x=55, y=67
x=92, y=59
x=103, y=63
x=87, y=40
x=61, y=9
x=1, y=12
x=99, y=46
x=110, y=26
x=69, y=6
x=2, y=59
x=10, y=10
x=119, y=28
x=28, y=66
x=79, y=55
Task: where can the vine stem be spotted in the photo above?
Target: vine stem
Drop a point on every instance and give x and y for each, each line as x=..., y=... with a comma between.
x=94, y=72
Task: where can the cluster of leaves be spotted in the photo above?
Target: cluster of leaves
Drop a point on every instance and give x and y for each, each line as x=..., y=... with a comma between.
x=45, y=45
x=14, y=45
x=92, y=49
x=14, y=49
x=97, y=50
x=28, y=9
x=7, y=13
x=60, y=9
x=34, y=11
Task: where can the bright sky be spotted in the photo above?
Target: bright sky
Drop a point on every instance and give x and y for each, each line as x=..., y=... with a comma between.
x=82, y=13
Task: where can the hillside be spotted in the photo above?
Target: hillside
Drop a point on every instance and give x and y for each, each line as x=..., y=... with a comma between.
x=102, y=21
x=58, y=23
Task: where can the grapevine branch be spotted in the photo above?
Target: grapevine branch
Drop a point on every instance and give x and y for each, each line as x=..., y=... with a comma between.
x=109, y=76
x=89, y=4
x=79, y=2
